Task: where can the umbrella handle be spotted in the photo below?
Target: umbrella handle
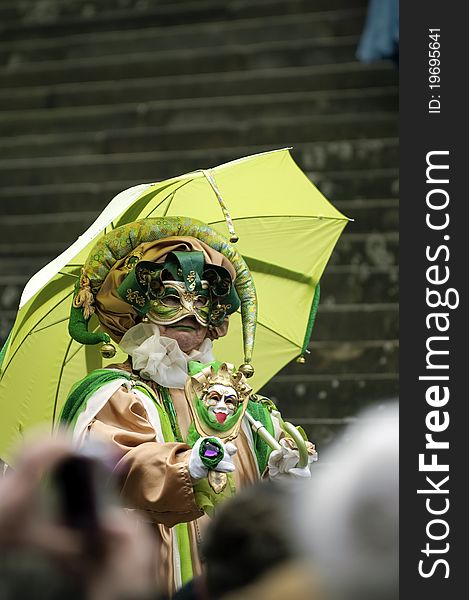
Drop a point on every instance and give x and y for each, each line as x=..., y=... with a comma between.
x=259, y=428
x=269, y=439
x=293, y=432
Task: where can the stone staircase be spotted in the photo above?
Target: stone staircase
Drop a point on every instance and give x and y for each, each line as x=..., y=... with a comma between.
x=96, y=96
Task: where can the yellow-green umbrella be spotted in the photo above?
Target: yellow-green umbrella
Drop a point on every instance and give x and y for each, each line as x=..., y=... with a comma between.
x=287, y=231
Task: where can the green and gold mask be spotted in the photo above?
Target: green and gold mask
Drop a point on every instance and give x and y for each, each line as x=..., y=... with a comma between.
x=176, y=302
x=184, y=285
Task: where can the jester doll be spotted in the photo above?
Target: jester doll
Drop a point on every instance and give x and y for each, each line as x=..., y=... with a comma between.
x=187, y=427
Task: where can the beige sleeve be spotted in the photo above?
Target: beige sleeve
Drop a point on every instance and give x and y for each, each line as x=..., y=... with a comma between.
x=154, y=476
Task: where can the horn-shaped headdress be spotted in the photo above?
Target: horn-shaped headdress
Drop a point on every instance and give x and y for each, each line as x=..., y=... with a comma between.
x=120, y=244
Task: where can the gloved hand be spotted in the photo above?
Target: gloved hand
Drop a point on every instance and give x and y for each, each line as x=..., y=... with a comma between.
x=282, y=463
x=211, y=453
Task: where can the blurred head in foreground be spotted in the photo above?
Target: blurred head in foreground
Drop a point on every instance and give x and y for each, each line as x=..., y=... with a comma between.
x=247, y=538
x=347, y=517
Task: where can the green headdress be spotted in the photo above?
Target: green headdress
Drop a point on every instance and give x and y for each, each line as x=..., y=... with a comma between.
x=143, y=281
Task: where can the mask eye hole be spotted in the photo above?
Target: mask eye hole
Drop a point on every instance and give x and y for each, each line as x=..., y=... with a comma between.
x=171, y=301
x=213, y=398
x=201, y=301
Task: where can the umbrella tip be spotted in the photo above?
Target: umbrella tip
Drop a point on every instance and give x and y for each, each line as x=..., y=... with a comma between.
x=301, y=360
x=234, y=239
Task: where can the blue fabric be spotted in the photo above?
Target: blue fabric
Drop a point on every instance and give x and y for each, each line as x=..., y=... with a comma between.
x=380, y=38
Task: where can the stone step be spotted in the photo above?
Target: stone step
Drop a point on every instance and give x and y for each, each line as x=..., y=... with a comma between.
x=373, y=249
x=351, y=75
x=112, y=149
x=17, y=271
x=329, y=395
x=266, y=55
x=363, y=283
x=348, y=357
x=274, y=132
x=351, y=185
x=11, y=288
x=324, y=431
x=29, y=11
x=357, y=321
x=371, y=216
x=103, y=120
x=192, y=36
x=50, y=19
x=323, y=434
x=325, y=155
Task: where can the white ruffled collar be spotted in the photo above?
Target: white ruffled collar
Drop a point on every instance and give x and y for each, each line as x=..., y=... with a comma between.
x=159, y=358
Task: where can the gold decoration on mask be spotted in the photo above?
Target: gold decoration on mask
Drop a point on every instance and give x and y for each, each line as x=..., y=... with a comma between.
x=218, y=310
x=191, y=281
x=135, y=296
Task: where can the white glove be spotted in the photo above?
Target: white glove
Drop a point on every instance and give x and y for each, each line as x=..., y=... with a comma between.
x=198, y=470
x=282, y=463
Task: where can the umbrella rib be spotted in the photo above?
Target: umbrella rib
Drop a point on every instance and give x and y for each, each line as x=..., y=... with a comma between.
x=69, y=274
x=50, y=325
x=169, y=204
x=30, y=332
x=166, y=197
x=80, y=347
x=172, y=194
x=318, y=217
x=74, y=353
x=59, y=380
x=279, y=334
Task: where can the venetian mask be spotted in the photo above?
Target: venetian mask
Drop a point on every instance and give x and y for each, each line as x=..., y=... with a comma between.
x=218, y=396
x=184, y=285
x=221, y=401
x=176, y=302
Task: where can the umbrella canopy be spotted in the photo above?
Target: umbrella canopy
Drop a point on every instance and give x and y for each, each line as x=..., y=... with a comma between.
x=287, y=230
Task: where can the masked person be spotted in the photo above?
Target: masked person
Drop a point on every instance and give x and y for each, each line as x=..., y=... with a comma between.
x=163, y=289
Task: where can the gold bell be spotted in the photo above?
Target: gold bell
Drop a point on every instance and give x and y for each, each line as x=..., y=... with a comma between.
x=108, y=350
x=247, y=370
x=301, y=360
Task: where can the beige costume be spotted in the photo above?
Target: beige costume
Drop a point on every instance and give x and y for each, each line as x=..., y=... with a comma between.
x=156, y=474
x=157, y=480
